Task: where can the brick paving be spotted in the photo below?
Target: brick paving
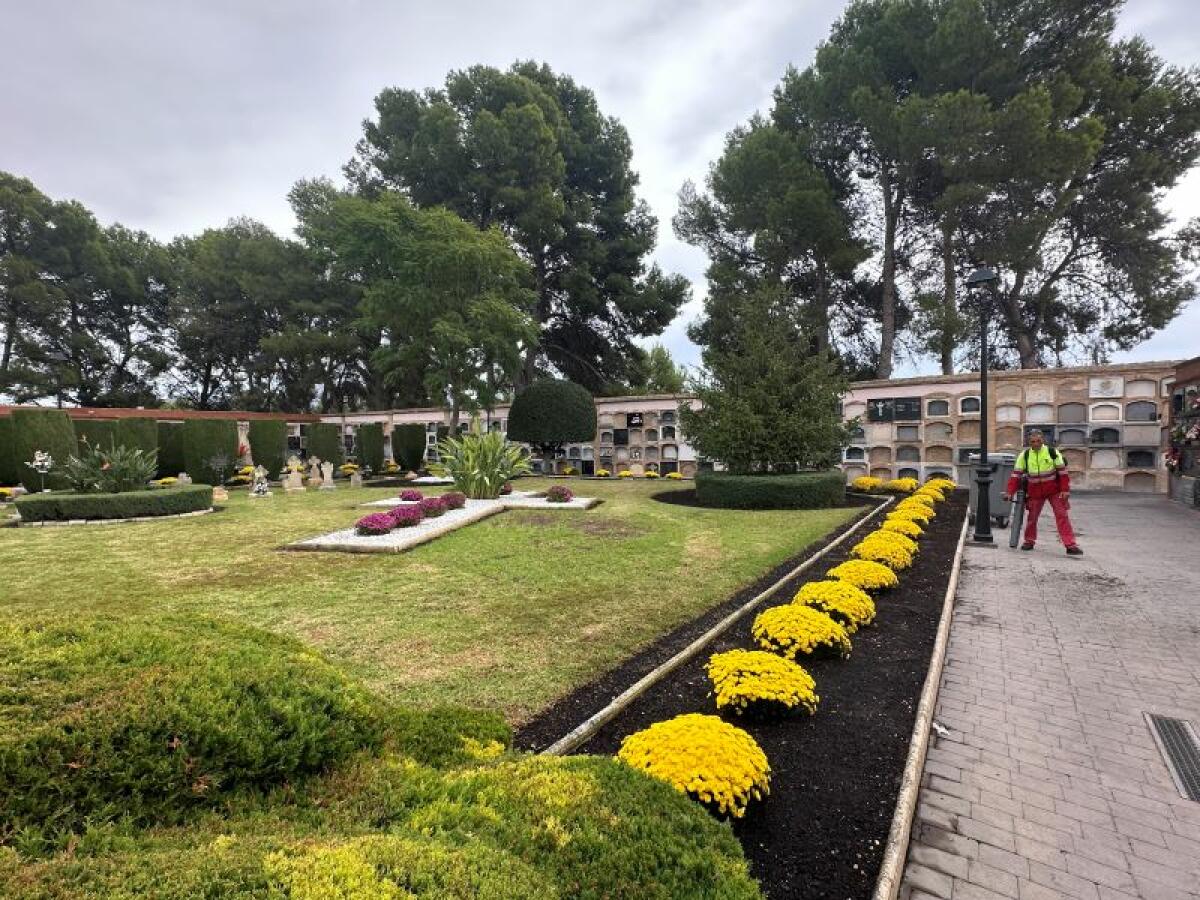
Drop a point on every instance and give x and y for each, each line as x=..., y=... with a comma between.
x=1047, y=783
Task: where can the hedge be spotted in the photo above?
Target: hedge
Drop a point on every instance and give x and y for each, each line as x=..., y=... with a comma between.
x=202, y=440
x=408, y=446
x=806, y=490
x=9, y=473
x=268, y=445
x=370, y=446
x=170, y=449
x=61, y=506
x=42, y=429
x=100, y=433
x=325, y=443
x=146, y=720
x=552, y=412
x=141, y=434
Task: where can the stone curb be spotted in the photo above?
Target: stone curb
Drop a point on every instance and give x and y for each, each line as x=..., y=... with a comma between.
x=895, y=852
x=72, y=522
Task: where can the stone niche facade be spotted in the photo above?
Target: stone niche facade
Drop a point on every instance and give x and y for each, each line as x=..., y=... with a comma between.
x=1108, y=422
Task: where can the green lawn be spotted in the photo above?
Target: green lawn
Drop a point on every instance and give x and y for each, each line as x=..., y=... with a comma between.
x=505, y=614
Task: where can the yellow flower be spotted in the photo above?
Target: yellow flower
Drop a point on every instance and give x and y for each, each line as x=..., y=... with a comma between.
x=846, y=604
x=882, y=550
x=602, y=473
x=793, y=629
x=624, y=473
x=650, y=474
x=866, y=483
x=917, y=513
x=710, y=760
x=902, y=526
x=745, y=678
x=675, y=476
x=902, y=485
x=864, y=574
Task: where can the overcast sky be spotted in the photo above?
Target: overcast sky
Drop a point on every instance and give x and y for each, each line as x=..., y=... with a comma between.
x=172, y=117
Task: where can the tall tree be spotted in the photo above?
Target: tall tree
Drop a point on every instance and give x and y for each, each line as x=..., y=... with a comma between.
x=25, y=214
x=663, y=375
x=530, y=152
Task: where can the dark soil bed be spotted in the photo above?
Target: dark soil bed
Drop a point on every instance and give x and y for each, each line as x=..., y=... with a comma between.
x=835, y=776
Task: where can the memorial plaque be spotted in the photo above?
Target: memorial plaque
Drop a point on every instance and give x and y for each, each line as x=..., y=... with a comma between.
x=880, y=411
x=906, y=409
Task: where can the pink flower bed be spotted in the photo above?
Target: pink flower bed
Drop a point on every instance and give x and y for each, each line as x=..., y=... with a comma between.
x=406, y=516
x=411, y=495
x=376, y=523
x=454, y=499
x=433, y=506
x=559, y=494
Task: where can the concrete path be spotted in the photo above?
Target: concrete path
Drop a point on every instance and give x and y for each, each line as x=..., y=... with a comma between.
x=1048, y=783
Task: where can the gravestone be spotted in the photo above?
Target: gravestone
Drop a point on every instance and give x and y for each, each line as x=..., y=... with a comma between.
x=314, y=473
x=183, y=478
x=327, y=476
x=356, y=480
x=261, y=487
x=293, y=482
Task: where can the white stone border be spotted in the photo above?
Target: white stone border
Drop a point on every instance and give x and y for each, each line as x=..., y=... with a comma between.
x=895, y=852
x=58, y=524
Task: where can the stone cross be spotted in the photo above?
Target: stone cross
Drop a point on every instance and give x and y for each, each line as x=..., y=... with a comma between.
x=327, y=475
x=356, y=480
x=314, y=472
x=261, y=487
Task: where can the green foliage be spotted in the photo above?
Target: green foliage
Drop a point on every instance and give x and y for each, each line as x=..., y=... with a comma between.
x=803, y=490
x=550, y=413
x=42, y=429
x=480, y=462
x=204, y=441
x=769, y=404
x=170, y=449
x=61, y=506
x=144, y=721
x=445, y=735
x=268, y=444
x=110, y=470
x=10, y=468
x=408, y=446
x=95, y=433
x=370, y=446
x=138, y=433
x=325, y=442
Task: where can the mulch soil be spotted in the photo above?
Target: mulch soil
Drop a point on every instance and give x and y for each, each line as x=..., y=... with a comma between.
x=835, y=776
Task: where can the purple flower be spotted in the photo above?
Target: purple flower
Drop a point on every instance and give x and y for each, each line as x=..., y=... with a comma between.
x=376, y=523
x=411, y=494
x=559, y=494
x=406, y=516
x=506, y=489
x=454, y=499
x=433, y=506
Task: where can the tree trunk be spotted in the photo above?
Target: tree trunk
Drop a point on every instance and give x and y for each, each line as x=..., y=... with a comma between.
x=541, y=314
x=887, y=312
x=949, y=299
x=10, y=338
x=1023, y=337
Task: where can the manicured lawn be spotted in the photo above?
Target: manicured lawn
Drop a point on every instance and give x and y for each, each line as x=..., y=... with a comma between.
x=505, y=614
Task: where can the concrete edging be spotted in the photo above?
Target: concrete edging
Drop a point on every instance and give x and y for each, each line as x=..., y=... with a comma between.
x=73, y=522
x=895, y=852
x=586, y=729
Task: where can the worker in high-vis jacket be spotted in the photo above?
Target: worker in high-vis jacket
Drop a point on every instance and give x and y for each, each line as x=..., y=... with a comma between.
x=1046, y=478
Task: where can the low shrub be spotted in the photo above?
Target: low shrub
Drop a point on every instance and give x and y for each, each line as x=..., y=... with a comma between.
x=675, y=476
x=107, y=718
x=506, y=489
x=374, y=524
x=793, y=629
x=568, y=470
x=559, y=494
x=407, y=516
x=806, y=490
x=411, y=495
x=650, y=473
x=479, y=462
x=918, y=513
x=454, y=499
x=906, y=527
x=62, y=506
x=891, y=554
x=916, y=500
x=934, y=493
x=867, y=484
x=109, y=470
x=760, y=682
x=624, y=473
x=901, y=485
x=864, y=574
x=433, y=507
x=708, y=759
x=603, y=473
x=850, y=607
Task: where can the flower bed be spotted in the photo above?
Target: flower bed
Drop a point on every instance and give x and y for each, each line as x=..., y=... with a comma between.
x=62, y=506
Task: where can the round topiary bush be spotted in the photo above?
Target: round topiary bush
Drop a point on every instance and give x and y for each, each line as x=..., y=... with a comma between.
x=805, y=490
x=106, y=718
x=550, y=413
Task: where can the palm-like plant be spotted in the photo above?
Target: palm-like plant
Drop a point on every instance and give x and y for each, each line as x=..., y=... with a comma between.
x=480, y=462
x=111, y=471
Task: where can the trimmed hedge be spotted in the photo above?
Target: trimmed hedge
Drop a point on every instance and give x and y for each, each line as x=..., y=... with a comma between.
x=370, y=446
x=325, y=443
x=408, y=446
x=202, y=440
x=106, y=718
x=805, y=490
x=170, y=449
x=100, y=433
x=61, y=506
x=140, y=434
x=42, y=429
x=268, y=445
x=552, y=412
x=9, y=474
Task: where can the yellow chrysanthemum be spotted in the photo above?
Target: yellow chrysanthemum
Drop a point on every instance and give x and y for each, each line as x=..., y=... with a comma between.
x=915, y=500
x=917, y=511
x=864, y=574
x=902, y=485
x=902, y=526
x=866, y=483
x=794, y=629
x=891, y=553
x=710, y=760
x=744, y=679
x=846, y=604
x=893, y=537
x=675, y=476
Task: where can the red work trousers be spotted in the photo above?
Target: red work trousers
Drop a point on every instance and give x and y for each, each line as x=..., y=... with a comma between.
x=1033, y=509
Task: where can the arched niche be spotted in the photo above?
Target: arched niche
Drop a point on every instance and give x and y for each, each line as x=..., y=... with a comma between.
x=1008, y=412
x=1105, y=436
x=945, y=473
x=1141, y=411
x=1140, y=457
x=1105, y=412
x=1140, y=482
x=606, y=437
x=908, y=453
x=939, y=431
x=855, y=453
x=968, y=405
x=853, y=472
x=883, y=473
x=880, y=456
x=857, y=433
x=668, y=432
x=1068, y=437
x=1106, y=459
x=1072, y=413
x=968, y=431
x=908, y=432
x=1039, y=413
x=910, y=473
x=937, y=408
x=1008, y=437
x=939, y=454
x=651, y=435
x=670, y=451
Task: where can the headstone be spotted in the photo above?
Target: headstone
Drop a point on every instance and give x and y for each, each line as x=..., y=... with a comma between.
x=220, y=495
x=293, y=481
x=314, y=473
x=261, y=487
x=183, y=478
x=356, y=480
x=327, y=476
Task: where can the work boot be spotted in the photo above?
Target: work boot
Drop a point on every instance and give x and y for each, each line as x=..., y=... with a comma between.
x=1028, y=545
x=1074, y=550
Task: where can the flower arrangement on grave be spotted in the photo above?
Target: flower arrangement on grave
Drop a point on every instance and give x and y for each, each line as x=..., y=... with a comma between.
x=390, y=467
x=905, y=527
x=6, y=494
x=411, y=495
x=165, y=482
x=864, y=574
x=793, y=629
x=675, y=476
x=433, y=507
x=374, y=524
x=867, y=483
x=884, y=547
x=406, y=516
x=650, y=473
x=245, y=470
x=559, y=493
x=41, y=463
x=901, y=485
x=624, y=473
x=849, y=606
x=761, y=683
x=454, y=499
x=711, y=761
x=602, y=473
x=1173, y=458
x=348, y=468
x=568, y=470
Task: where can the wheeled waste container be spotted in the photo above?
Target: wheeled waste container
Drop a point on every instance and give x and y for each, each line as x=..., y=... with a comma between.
x=1001, y=465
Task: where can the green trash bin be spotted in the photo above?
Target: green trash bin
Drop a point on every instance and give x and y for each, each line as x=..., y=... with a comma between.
x=1001, y=465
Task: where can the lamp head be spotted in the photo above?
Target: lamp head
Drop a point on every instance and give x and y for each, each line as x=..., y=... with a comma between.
x=981, y=276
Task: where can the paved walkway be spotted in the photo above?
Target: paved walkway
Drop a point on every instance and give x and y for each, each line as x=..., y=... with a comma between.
x=1048, y=783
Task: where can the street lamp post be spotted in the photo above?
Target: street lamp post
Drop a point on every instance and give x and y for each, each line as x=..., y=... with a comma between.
x=983, y=471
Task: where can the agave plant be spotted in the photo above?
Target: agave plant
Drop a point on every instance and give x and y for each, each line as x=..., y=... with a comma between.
x=112, y=471
x=480, y=462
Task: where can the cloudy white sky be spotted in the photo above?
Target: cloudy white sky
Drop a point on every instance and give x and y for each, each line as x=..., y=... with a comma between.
x=173, y=117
